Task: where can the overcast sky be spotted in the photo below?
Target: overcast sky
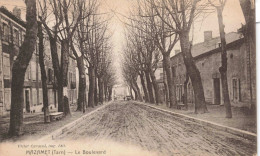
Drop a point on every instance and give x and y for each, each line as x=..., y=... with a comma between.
x=233, y=18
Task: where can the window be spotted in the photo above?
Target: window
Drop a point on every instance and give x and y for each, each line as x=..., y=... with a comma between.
x=6, y=32
x=75, y=93
x=22, y=37
x=33, y=70
x=39, y=73
x=74, y=78
x=40, y=97
x=234, y=84
x=51, y=96
x=16, y=37
x=7, y=99
x=6, y=66
x=29, y=71
x=161, y=76
x=50, y=75
x=70, y=77
x=34, y=96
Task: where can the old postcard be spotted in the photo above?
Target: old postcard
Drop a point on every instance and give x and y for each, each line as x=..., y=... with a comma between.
x=128, y=77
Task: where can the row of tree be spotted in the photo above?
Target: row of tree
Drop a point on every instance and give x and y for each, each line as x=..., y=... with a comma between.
x=153, y=29
x=82, y=32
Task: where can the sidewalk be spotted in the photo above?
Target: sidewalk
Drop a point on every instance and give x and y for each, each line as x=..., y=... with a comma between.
x=241, y=119
x=34, y=126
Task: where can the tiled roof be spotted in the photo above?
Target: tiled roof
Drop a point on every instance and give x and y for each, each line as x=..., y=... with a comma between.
x=204, y=47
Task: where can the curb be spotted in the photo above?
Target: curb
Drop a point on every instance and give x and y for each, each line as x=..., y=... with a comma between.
x=234, y=131
x=65, y=128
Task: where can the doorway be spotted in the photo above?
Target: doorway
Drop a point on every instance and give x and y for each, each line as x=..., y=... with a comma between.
x=236, y=90
x=216, y=82
x=27, y=101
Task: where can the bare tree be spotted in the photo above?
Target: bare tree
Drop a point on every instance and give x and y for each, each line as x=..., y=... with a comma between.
x=164, y=38
x=43, y=74
x=130, y=73
x=249, y=32
x=19, y=68
x=63, y=31
x=54, y=38
x=91, y=38
x=110, y=78
x=140, y=62
x=147, y=53
x=103, y=64
x=223, y=69
x=180, y=16
x=81, y=12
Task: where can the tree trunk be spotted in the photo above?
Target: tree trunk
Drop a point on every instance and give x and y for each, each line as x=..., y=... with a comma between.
x=155, y=87
x=91, y=72
x=95, y=90
x=166, y=93
x=135, y=91
x=170, y=81
x=223, y=68
x=43, y=75
x=101, y=89
x=250, y=40
x=200, y=104
x=19, y=68
x=146, y=96
x=166, y=90
x=110, y=93
x=131, y=94
x=185, y=98
x=60, y=95
x=149, y=86
x=138, y=93
x=56, y=67
x=65, y=67
x=82, y=85
x=105, y=91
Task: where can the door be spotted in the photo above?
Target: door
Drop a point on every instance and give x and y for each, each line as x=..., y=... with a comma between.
x=7, y=99
x=216, y=91
x=236, y=90
x=27, y=101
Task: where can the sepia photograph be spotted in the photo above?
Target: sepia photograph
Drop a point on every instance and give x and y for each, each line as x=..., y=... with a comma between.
x=128, y=78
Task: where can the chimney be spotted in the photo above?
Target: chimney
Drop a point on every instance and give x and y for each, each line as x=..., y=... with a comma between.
x=177, y=51
x=207, y=36
x=17, y=12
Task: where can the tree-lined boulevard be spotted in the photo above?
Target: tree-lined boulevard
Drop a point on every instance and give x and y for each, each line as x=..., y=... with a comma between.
x=133, y=123
x=80, y=31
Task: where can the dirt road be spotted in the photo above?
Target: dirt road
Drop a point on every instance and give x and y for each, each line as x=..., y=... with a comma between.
x=153, y=130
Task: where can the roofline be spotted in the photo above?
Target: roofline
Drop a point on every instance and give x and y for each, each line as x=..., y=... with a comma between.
x=216, y=50
x=12, y=16
x=228, y=46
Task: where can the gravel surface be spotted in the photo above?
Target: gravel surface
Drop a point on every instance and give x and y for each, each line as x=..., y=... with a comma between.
x=153, y=130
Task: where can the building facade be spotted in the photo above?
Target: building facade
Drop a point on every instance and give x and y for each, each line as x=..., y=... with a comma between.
x=12, y=36
x=241, y=73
